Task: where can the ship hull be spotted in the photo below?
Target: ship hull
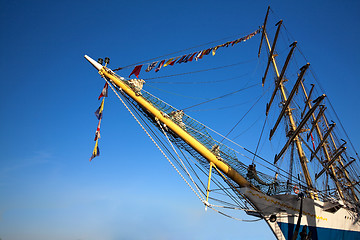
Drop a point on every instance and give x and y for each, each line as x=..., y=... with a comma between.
x=323, y=220
x=317, y=233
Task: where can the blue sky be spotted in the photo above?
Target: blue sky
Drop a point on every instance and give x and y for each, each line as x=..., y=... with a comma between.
x=48, y=188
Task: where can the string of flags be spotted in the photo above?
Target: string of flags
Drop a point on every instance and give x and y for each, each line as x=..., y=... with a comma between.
x=98, y=114
x=158, y=65
x=189, y=57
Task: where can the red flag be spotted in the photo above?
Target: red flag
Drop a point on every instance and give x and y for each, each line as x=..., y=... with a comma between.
x=312, y=140
x=192, y=56
x=136, y=71
x=104, y=92
x=207, y=51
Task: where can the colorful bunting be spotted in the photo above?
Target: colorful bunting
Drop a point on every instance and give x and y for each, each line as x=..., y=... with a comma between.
x=99, y=111
x=104, y=92
x=166, y=62
x=189, y=57
x=98, y=114
x=136, y=71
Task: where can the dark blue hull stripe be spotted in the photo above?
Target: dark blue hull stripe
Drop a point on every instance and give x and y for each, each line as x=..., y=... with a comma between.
x=319, y=233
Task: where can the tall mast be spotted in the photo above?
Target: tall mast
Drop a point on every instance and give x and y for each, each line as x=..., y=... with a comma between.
x=288, y=111
x=331, y=159
x=339, y=160
x=323, y=146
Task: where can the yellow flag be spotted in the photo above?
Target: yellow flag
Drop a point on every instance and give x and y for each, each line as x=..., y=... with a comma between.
x=96, y=151
x=214, y=50
x=99, y=111
x=168, y=62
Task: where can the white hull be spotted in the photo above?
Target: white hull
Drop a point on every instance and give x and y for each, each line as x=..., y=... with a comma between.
x=326, y=220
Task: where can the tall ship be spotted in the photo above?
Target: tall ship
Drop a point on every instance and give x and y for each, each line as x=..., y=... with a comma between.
x=305, y=187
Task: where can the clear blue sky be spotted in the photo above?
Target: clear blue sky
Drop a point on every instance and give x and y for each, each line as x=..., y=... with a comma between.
x=48, y=188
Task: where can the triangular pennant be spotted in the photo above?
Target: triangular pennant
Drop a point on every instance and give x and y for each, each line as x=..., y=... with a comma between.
x=198, y=55
x=192, y=56
x=104, y=92
x=159, y=66
x=96, y=151
x=97, y=133
x=173, y=62
x=202, y=54
x=181, y=59
x=151, y=66
x=98, y=112
x=207, y=51
x=136, y=71
x=168, y=62
x=187, y=58
x=214, y=50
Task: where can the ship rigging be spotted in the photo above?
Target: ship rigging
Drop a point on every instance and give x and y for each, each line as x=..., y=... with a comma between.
x=308, y=189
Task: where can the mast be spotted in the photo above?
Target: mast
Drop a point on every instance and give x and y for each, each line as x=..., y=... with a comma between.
x=328, y=167
x=288, y=111
x=339, y=160
x=331, y=160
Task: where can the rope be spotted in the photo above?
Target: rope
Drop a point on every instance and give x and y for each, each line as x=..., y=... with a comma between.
x=245, y=115
x=220, y=108
x=173, y=93
x=201, y=82
x=199, y=196
x=228, y=94
x=204, y=70
x=187, y=172
x=147, y=133
x=268, y=162
x=241, y=133
x=238, y=219
x=173, y=157
x=225, y=190
x=257, y=146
